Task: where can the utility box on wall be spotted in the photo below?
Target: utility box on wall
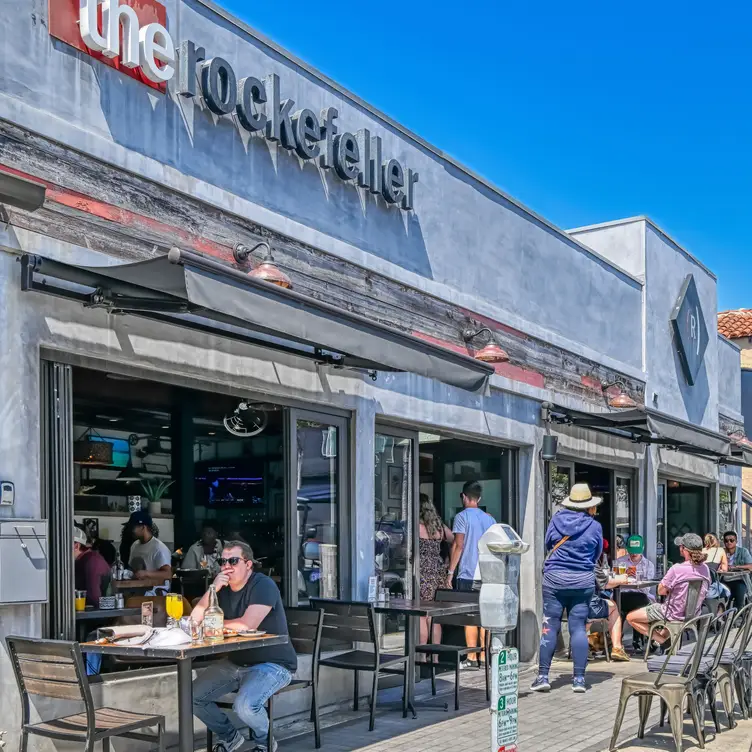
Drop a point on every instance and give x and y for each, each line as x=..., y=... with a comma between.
x=23, y=561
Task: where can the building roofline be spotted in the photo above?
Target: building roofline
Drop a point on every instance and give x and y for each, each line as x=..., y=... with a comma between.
x=728, y=341
x=657, y=228
x=355, y=99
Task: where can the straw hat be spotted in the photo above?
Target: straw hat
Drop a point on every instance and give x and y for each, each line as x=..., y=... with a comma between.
x=580, y=497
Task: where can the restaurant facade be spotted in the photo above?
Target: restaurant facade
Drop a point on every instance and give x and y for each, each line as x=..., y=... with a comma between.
x=294, y=316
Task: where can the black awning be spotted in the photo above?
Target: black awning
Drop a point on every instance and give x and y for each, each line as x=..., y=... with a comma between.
x=648, y=426
x=192, y=291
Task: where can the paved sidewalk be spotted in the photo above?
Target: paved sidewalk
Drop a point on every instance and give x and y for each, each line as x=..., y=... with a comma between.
x=554, y=722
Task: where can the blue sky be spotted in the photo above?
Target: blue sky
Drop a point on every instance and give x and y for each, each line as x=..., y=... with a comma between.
x=584, y=111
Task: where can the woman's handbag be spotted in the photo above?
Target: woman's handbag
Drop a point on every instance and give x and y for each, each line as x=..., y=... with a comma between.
x=445, y=548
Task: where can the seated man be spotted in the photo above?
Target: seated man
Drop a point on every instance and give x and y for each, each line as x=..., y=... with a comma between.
x=91, y=572
x=150, y=559
x=738, y=558
x=675, y=585
x=640, y=567
x=208, y=548
x=249, y=600
x=602, y=607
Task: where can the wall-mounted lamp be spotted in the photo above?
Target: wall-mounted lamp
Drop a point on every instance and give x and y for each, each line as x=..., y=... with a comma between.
x=21, y=192
x=491, y=353
x=617, y=397
x=267, y=270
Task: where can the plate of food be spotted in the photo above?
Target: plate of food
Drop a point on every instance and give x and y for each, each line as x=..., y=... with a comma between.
x=243, y=632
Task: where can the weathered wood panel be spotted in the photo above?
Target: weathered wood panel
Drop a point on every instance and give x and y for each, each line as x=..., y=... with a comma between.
x=96, y=205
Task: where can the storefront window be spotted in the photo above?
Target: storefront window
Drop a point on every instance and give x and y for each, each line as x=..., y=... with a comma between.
x=726, y=509
x=393, y=502
x=317, y=509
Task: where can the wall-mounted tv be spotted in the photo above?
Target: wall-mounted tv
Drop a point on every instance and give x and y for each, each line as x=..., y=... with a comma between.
x=228, y=485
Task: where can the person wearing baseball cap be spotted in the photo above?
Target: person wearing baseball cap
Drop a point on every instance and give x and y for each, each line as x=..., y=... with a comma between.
x=90, y=570
x=637, y=565
x=675, y=585
x=150, y=559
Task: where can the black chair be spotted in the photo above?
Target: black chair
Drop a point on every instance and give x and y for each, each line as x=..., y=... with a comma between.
x=346, y=622
x=304, y=627
x=53, y=668
x=455, y=653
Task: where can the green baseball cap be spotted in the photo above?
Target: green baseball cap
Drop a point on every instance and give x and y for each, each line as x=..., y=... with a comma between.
x=635, y=544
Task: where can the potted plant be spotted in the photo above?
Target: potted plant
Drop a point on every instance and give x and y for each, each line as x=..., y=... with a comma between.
x=154, y=490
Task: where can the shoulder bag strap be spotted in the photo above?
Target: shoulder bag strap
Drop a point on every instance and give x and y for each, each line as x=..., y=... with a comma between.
x=556, y=547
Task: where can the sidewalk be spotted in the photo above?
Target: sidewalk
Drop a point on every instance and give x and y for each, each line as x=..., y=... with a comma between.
x=553, y=722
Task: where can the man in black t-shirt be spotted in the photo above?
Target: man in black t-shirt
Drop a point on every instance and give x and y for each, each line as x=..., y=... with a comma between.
x=249, y=600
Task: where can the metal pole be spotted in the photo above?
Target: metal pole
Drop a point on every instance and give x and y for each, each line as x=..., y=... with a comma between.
x=185, y=705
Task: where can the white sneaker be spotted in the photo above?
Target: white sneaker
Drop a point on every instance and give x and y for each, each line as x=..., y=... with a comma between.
x=232, y=746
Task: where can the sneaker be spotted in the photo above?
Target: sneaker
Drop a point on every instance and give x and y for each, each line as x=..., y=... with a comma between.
x=232, y=746
x=468, y=665
x=265, y=748
x=578, y=685
x=540, y=684
x=619, y=654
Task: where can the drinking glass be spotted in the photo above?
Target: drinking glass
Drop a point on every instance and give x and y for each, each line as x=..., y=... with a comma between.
x=174, y=608
x=80, y=600
x=622, y=568
x=197, y=631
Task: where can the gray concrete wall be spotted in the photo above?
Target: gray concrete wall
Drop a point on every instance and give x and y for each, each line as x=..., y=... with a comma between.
x=729, y=378
x=666, y=268
x=463, y=241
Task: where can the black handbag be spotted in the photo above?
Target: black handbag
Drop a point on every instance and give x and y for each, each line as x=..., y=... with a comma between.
x=445, y=548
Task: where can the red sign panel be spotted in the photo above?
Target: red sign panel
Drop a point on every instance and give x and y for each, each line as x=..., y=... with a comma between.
x=63, y=24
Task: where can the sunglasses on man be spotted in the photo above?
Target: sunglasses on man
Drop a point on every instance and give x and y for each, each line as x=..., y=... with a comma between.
x=729, y=540
x=233, y=561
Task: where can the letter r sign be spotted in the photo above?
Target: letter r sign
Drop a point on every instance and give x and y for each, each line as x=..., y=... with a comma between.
x=64, y=16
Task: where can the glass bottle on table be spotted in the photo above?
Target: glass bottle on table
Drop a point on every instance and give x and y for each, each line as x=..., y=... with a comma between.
x=214, y=618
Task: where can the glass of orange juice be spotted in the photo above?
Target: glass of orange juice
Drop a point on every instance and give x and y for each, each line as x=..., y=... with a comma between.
x=80, y=600
x=174, y=608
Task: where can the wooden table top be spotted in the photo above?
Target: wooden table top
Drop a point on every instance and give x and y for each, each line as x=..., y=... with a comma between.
x=426, y=608
x=179, y=652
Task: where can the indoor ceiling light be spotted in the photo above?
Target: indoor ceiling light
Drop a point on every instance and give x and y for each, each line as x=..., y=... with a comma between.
x=21, y=192
x=129, y=474
x=91, y=449
x=491, y=352
x=267, y=270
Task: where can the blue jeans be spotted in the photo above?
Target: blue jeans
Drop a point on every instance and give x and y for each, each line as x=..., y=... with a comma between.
x=576, y=602
x=254, y=685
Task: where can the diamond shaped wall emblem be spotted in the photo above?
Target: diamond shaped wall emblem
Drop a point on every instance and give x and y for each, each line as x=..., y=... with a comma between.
x=690, y=332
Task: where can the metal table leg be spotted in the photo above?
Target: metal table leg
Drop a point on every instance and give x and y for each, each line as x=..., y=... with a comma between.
x=185, y=704
x=411, y=626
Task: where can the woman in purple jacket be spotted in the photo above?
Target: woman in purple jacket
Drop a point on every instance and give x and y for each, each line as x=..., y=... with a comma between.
x=574, y=542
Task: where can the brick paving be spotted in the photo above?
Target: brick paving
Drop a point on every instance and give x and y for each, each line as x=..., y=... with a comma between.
x=558, y=721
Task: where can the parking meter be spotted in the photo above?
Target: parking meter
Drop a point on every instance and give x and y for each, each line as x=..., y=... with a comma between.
x=499, y=552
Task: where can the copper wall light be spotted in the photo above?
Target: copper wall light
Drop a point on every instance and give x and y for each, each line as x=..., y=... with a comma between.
x=267, y=270
x=617, y=397
x=491, y=353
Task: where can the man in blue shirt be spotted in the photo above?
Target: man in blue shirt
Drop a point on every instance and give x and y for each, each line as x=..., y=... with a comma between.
x=469, y=526
x=739, y=559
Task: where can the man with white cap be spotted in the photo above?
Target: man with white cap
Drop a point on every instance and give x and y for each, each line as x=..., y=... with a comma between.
x=574, y=542
x=91, y=571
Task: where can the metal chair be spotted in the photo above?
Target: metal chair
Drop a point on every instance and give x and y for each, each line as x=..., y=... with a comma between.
x=710, y=675
x=676, y=629
x=673, y=690
x=304, y=627
x=456, y=652
x=52, y=668
x=353, y=621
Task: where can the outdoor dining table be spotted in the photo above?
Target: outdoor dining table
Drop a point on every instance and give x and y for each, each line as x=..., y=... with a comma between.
x=101, y=615
x=183, y=656
x=637, y=585
x=413, y=610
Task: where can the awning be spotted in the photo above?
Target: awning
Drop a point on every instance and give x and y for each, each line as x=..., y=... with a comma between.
x=192, y=291
x=648, y=426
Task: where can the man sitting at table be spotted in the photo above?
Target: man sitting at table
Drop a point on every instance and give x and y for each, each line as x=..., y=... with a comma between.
x=249, y=600
x=641, y=568
x=739, y=559
x=91, y=571
x=149, y=558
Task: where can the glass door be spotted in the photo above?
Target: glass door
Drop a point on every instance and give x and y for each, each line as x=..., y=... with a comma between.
x=318, y=496
x=394, y=510
x=661, y=545
x=622, y=508
x=560, y=480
